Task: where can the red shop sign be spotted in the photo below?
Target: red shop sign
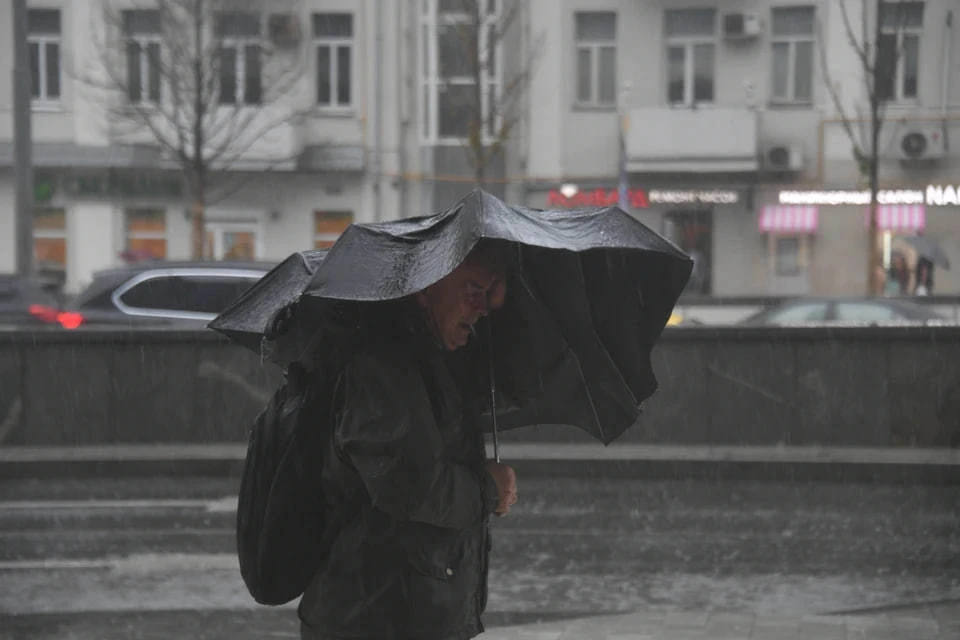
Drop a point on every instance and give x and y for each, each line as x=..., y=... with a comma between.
x=597, y=198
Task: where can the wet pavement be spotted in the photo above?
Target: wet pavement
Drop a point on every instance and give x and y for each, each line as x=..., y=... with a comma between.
x=628, y=558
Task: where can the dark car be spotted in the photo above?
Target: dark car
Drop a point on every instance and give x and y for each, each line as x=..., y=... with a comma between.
x=182, y=294
x=852, y=311
x=28, y=301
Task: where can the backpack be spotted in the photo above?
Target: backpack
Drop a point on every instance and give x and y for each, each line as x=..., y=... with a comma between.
x=285, y=525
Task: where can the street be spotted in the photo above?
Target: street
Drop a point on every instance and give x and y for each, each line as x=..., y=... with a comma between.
x=117, y=553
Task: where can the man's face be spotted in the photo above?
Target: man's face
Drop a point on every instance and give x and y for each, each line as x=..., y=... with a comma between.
x=456, y=302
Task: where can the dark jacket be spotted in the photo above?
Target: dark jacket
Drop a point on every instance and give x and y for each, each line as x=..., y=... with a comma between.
x=407, y=457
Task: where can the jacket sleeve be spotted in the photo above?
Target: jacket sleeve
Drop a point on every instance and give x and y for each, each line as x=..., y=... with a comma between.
x=388, y=433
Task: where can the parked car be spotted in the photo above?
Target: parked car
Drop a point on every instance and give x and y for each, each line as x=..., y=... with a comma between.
x=853, y=311
x=28, y=301
x=164, y=293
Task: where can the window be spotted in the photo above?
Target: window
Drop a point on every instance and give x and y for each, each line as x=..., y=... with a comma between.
x=50, y=240
x=43, y=40
x=333, y=33
x=596, y=36
x=167, y=292
x=788, y=256
x=193, y=293
x=146, y=234
x=691, y=55
x=143, y=34
x=232, y=241
x=897, y=67
x=692, y=231
x=792, y=41
x=456, y=53
x=327, y=227
x=240, y=58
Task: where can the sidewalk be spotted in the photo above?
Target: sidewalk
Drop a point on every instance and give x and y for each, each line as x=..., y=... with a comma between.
x=806, y=463
x=931, y=621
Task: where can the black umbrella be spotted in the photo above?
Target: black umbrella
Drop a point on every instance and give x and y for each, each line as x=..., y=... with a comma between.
x=927, y=247
x=589, y=293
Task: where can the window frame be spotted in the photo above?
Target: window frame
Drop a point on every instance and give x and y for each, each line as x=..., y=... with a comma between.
x=335, y=44
x=42, y=100
x=329, y=238
x=689, y=44
x=133, y=234
x=239, y=44
x=594, y=47
x=798, y=262
x=160, y=312
x=792, y=40
x=144, y=40
x=41, y=233
x=428, y=69
x=901, y=32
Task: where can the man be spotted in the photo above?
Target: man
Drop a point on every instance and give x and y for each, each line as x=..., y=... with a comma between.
x=408, y=453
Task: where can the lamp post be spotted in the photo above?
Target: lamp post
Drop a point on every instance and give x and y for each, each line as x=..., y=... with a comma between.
x=22, y=160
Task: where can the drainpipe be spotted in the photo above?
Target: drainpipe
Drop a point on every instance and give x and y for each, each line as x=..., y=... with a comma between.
x=378, y=112
x=525, y=104
x=945, y=81
x=403, y=76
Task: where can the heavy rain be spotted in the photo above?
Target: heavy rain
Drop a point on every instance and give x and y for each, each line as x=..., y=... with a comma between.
x=563, y=318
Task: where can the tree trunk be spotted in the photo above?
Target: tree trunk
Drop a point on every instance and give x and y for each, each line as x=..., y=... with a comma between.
x=197, y=211
x=875, y=259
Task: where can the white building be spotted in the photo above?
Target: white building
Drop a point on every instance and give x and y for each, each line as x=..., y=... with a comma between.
x=732, y=145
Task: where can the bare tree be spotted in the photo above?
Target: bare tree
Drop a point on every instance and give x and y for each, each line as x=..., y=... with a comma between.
x=878, y=51
x=205, y=81
x=480, y=39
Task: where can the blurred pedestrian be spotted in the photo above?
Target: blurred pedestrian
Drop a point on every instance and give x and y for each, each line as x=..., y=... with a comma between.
x=924, y=278
x=408, y=450
x=898, y=276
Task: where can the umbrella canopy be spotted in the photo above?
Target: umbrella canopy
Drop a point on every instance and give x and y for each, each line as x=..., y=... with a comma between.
x=588, y=294
x=254, y=319
x=927, y=247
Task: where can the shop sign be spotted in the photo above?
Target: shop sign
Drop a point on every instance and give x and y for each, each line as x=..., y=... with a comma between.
x=935, y=195
x=842, y=197
x=43, y=191
x=707, y=196
x=130, y=184
x=941, y=196
x=641, y=198
x=597, y=198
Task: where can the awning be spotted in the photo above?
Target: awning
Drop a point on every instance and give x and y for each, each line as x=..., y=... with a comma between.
x=785, y=218
x=899, y=217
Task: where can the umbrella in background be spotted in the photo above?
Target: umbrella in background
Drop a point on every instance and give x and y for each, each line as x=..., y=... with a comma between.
x=589, y=291
x=927, y=247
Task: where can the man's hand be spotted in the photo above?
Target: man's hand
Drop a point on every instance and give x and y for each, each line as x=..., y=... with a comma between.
x=506, y=480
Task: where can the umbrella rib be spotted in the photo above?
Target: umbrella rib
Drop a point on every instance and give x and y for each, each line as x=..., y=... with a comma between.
x=569, y=351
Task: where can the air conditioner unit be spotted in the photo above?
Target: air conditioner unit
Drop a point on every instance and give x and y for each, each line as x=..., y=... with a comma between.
x=741, y=26
x=284, y=30
x=920, y=143
x=782, y=157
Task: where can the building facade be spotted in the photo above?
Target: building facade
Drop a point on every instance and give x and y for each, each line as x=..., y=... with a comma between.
x=714, y=123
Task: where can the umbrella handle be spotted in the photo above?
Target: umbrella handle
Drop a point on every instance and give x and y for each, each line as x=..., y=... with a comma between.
x=493, y=392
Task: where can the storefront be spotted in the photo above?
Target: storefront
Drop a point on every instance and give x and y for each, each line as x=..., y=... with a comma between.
x=821, y=236
x=704, y=222
x=91, y=219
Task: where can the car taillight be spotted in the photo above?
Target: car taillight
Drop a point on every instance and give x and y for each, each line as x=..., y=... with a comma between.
x=70, y=319
x=43, y=313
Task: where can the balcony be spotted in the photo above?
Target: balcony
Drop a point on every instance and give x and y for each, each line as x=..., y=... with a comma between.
x=684, y=140
x=237, y=138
